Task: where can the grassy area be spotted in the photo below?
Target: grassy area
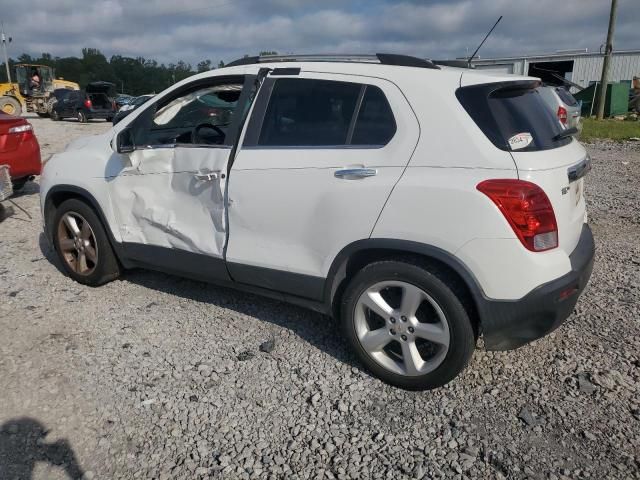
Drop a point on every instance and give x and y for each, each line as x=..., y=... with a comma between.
x=617, y=130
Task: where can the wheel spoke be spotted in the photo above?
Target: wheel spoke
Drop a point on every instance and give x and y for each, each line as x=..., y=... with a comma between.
x=81, y=263
x=67, y=245
x=85, y=231
x=375, y=340
x=71, y=224
x=413, y=362
x=432, y=332
x=91, y=254
x=374, y=302
x=412, y=297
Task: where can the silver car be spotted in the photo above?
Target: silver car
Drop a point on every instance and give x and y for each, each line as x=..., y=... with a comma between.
x=563, y=105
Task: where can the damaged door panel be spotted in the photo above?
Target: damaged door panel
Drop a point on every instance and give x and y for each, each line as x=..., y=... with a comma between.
x=174, y=199
x=171, y=198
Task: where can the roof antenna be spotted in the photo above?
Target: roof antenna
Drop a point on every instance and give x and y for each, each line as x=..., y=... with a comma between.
x=482, y=43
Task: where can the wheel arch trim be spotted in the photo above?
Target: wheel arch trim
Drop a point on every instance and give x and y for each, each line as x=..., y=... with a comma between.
x=85, y=195
x=337, y=271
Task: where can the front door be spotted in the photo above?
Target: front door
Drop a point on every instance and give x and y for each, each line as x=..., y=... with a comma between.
x=170, y=200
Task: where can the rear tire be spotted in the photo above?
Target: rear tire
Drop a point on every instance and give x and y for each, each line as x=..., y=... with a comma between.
x=55, y=116
x=81, y=116
x=10, y=106
x=19, y=184
x=82, y=245
x=417, y=334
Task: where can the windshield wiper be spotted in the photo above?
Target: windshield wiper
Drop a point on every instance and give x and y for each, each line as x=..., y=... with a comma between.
x=566, y=133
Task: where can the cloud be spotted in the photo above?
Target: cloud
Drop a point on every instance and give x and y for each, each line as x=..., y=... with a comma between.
x=192, y=30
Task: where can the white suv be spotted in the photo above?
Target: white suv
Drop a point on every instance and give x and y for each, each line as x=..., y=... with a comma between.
x=423, y=206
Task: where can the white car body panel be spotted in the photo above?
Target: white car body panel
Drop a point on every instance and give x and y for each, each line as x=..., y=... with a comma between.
x=161, y=202
x=84, y=165
x=548, y=169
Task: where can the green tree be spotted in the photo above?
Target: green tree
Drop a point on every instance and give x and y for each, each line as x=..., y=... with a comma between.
x=204, y=66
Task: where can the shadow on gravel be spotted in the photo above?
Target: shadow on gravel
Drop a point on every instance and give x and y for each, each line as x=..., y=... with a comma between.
x=30, y=188
x=319, y=330
x=22, y=445
x=48, y=253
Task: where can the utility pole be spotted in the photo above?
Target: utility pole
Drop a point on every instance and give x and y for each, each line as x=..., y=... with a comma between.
x=606, y=60
x=5, y=40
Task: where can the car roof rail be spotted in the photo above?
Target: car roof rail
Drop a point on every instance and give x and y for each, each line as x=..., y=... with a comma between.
x=379, y=58
x=454, y=63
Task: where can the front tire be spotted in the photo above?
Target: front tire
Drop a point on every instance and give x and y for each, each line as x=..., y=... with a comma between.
x=82, y=244
x=55, y=116
x=406, y=324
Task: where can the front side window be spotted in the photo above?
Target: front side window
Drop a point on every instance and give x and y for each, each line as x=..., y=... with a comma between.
x=199, y=117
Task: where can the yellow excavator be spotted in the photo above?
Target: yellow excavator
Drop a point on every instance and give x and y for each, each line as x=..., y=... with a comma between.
x=32, y=91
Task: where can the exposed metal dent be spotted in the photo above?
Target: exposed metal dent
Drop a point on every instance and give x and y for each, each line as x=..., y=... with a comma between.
x=162, y=203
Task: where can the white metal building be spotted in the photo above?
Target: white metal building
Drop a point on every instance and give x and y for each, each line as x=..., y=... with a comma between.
x=581, y=67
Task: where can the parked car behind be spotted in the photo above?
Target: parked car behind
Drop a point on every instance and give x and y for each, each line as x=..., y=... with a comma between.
x=422, y=206
x=123, y=99
x=19, y=149
x=130, y=107
x=566, y=108
x=91, y=103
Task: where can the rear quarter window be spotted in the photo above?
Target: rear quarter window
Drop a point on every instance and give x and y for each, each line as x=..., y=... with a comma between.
x=508, y=111
x=566, y=97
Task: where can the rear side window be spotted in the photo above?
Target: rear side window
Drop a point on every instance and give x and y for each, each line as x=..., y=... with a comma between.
x=322, y=113
x=309, y=113
x=512, y=115
x=375, y=124
x=566, y=97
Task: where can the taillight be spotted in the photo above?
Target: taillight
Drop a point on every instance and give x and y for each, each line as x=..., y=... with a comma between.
x=562, y=115
x=527, y=209
x=87, y=103
x=21, y=129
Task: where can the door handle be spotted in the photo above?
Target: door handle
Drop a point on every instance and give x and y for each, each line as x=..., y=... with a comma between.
x=206, y=177
x=352, y=173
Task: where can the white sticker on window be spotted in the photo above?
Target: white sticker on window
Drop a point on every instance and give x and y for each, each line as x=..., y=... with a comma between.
x=520, y=140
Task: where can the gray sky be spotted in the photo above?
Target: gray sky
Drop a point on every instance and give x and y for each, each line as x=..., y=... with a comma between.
x=193, y=30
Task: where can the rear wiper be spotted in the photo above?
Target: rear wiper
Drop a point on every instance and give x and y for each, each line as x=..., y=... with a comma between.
x=566, y=133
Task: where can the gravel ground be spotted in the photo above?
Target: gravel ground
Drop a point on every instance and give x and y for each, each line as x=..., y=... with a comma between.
x=157, y=377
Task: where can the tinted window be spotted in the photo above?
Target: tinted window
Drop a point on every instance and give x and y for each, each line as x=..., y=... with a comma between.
x=305, y=112
x=375, y=124
x=505, y=110
x=566, y=97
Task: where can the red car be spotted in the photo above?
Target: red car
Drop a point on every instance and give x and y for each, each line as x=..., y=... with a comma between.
x=19, y=149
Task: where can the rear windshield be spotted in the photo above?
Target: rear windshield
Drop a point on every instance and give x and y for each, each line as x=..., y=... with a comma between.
x=566, y=97
x=513, y=115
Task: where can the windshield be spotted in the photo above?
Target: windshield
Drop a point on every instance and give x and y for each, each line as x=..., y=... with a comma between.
x=513, y=115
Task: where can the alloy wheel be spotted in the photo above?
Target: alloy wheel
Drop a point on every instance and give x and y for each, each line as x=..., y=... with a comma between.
x=77, y=243
x=402, y=328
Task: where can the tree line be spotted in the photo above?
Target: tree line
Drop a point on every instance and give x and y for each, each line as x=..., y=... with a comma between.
x=135, y=76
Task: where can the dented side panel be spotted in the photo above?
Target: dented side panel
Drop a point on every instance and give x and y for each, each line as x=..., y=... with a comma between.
x=160, y=201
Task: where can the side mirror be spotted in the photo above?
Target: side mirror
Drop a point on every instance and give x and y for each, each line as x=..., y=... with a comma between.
x=124, y=141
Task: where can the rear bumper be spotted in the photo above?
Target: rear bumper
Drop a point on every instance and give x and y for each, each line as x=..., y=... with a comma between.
x=509, y=324
x=105, y=114
x=24, y=161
